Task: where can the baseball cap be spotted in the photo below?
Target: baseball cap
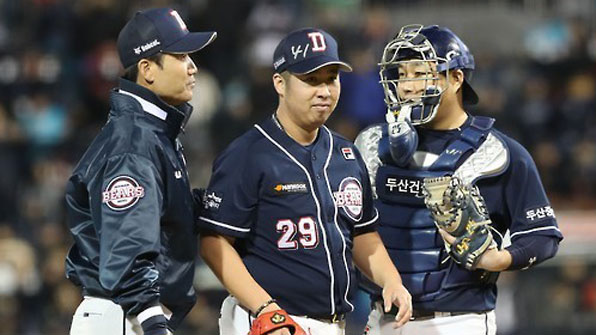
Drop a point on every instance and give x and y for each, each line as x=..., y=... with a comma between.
x=158, y=30
x=307, y=50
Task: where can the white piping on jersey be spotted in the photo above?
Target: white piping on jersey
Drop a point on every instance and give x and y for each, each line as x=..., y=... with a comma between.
x=312, y=191
x=335, y=210
x=534, y=230
x=225, y=225
x=371, y=221
x=148, y=106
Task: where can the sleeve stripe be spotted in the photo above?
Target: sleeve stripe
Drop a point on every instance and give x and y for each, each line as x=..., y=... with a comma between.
x=149, y=312
x=224, y=225
x=534, y=230
x=373, y=220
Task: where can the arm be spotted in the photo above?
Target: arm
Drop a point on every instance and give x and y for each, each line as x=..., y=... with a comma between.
x=371, y=257
x=225, y=262
x=492, y=259
x=129, y=236
x=219, y=253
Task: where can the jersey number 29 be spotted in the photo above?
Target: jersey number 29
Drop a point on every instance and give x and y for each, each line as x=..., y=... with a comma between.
x=306, y=229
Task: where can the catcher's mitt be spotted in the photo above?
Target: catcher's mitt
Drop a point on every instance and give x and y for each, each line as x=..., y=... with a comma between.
x=459, y=210
x=270, y=321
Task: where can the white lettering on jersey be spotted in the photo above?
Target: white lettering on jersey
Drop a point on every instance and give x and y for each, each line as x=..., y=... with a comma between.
x=540, y=213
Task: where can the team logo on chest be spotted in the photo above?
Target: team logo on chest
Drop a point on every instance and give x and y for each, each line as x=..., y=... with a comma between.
x=122, y=192
x=349, y=197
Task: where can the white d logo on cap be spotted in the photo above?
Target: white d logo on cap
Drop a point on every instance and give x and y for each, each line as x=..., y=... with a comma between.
x=318, y=41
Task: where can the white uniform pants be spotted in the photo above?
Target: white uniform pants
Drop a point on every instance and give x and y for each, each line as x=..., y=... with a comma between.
x=98, y=316
x=466, y=324
x=236, y=320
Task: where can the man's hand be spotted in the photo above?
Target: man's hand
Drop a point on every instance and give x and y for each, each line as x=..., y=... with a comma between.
x=396, y=293
x=282, y=331
x=492, y=259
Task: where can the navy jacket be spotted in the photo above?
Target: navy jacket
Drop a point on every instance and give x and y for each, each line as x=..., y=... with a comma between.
x=130, y=208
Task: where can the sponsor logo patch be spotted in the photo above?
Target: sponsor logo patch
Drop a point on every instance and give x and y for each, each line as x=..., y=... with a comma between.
x=212, y=201
x=288, y=188
x=349, y=197
x=348, y=153
x=122, y=193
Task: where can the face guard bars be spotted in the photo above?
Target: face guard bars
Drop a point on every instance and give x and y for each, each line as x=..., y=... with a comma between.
x=410, y=46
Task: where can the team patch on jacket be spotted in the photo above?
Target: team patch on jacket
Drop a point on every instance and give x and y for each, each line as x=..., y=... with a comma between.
x=349, y=197
x=288, y=188
x=122, y=192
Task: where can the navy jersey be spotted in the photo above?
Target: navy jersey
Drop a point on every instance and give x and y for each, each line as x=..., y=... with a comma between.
x=515, y=199
x=294, y=211
x=130, y=209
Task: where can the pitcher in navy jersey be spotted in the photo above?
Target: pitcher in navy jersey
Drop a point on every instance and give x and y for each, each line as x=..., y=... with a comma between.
x=426, y=72
x=289, y=209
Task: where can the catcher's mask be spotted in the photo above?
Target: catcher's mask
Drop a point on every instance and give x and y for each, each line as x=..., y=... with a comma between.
x=410, y=71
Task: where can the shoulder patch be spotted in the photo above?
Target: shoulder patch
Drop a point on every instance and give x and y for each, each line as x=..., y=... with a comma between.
x=122, y=193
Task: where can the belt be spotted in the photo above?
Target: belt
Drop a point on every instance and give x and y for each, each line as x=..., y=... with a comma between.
x=333, y=318
x=421, y=315
x=427, y=315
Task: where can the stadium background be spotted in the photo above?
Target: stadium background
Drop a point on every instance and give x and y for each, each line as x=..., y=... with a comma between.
x=536, y=73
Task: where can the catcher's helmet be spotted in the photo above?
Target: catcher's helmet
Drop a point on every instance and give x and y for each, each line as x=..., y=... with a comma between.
x=439, y=50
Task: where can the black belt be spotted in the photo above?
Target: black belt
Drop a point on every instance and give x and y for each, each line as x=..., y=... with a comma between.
x=427, y=315
x=333, y=318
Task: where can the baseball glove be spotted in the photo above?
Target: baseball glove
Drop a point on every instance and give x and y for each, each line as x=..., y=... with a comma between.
x=459, y=210
x=270, y=321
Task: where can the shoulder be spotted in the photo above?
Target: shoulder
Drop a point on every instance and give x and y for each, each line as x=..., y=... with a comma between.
x=518, y=154
x=243, y=147
x=373, y=131
x=125, y=134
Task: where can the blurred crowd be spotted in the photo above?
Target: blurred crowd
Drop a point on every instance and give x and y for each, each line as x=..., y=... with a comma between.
x=58, y=62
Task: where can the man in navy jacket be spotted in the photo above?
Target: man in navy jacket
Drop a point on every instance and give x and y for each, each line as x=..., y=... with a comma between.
x=130, y=207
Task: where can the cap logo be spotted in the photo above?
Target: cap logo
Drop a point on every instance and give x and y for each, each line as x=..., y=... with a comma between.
x=179, y=20
x=146, y=46
x=318, y=41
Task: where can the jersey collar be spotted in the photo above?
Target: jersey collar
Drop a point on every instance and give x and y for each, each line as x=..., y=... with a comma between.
x=298, y=150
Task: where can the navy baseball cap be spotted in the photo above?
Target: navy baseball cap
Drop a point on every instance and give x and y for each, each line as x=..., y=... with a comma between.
x=158, y=30
x=307, y=50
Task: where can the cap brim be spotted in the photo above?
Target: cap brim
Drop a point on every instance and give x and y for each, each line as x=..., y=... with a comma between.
x=469, y=96
x=314, y=64
x=192, y=42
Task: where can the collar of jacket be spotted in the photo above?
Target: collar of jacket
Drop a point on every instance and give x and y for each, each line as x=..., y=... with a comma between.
x=172, y=118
